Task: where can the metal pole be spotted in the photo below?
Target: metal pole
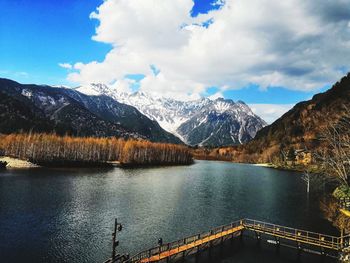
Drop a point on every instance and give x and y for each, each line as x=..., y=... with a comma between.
x=114, y=236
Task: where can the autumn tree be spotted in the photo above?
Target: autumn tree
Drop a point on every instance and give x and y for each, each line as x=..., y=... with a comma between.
x=335, y=155
x=50, y=149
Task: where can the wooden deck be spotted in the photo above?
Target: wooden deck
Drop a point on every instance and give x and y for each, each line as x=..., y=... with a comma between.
x=167, y=251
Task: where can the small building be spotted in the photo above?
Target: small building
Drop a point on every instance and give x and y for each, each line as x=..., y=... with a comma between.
x=303, y=157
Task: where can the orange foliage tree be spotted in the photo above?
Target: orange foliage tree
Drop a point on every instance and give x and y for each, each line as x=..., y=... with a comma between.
x=50, y=148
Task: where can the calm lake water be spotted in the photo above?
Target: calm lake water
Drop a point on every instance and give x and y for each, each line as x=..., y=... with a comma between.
x=67, y=215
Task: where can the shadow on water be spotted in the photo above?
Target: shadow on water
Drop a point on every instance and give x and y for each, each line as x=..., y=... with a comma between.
x=66, y=215
x=249, y=250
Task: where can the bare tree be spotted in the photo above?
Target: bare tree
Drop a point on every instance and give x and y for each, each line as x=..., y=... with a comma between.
x=49, y=148
x=306, y=178
x=335, y=156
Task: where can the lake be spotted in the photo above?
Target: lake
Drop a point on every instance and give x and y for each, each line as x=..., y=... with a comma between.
x=67, y=215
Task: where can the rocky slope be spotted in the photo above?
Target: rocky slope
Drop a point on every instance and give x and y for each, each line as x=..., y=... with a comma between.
x=221, y=122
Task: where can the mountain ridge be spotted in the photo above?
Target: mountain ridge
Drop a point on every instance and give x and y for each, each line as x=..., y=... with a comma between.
x=202, y=122
x=69, y=111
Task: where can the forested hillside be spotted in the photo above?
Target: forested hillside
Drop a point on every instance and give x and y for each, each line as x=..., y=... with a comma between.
x=300, y=128
x=61, y=110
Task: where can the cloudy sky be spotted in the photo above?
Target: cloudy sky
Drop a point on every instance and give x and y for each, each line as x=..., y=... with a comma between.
x=268, y=53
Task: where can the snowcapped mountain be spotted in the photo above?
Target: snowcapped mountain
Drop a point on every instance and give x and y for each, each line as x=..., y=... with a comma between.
x=202, y=122
x=222, y=122
x=169, y=113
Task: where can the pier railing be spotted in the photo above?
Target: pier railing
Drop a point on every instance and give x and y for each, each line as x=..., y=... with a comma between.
x=302, y=236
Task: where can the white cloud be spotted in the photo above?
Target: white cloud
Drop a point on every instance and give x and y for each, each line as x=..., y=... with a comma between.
x=123, y=85
x=65, y=65
x=295, y=44
x=270, y=112
x=216, y=96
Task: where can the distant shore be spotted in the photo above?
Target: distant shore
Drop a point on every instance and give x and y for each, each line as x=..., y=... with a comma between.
x=299, y=168
x=15, y=163
x=285, y=167
x=269, y=165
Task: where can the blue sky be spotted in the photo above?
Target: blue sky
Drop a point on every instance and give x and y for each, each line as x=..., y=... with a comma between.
x=35, y=36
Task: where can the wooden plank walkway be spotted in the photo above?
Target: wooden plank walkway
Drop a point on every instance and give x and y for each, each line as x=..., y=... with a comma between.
x=193, y=244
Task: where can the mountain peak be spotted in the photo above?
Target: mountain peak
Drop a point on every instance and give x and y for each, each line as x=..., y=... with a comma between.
x=97, y=89
x=203, y=121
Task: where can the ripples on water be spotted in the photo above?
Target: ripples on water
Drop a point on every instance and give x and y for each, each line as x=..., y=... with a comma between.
x=67, y=215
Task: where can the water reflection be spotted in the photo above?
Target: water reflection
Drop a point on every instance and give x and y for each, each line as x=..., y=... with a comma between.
x=67, y=215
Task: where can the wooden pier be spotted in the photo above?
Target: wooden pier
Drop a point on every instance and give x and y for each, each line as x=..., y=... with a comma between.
x=194, y=244
x=186, y=246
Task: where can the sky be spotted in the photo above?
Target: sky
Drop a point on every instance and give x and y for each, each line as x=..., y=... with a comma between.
x=270, y=54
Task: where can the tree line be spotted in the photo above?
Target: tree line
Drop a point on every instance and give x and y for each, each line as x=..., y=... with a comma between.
x=49, y=149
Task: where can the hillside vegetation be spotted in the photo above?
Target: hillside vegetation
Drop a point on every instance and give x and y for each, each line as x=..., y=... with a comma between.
x=300, y=128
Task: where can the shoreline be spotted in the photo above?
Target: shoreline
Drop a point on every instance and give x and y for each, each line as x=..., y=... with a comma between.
x=15, y=163
x=266, y=165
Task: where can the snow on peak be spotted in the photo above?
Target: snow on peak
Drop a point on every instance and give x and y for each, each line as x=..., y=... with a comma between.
x=170, y=113
x=61, y=86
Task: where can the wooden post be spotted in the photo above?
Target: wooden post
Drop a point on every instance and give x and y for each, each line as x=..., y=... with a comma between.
x=160, y=243
x=299, y=249
x=210, y=242
x=183, y=253
x=258, y=237
x=167, y=259
x=197, y=252
x=222, y=237
x=209, y=245
x=277, y=244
